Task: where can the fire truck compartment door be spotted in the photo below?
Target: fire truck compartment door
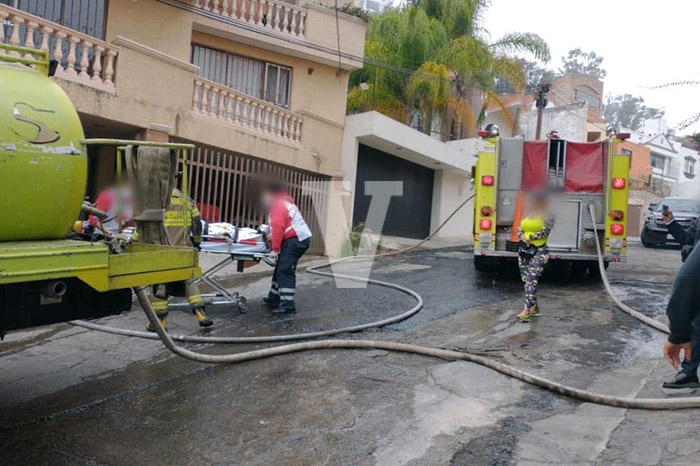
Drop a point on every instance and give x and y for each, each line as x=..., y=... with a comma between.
x=510, y=163
x=567, y=225
x=584, y=167
x=534, y=174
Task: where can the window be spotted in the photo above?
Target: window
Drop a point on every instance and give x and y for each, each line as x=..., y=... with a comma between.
x=266, y=81
x=689, y=169
x=588, y=95
x=626, y=152
x=277, y=81
x=86, y=16
x=658, y=162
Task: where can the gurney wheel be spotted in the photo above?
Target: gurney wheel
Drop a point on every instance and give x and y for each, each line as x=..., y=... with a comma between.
x=242, y=305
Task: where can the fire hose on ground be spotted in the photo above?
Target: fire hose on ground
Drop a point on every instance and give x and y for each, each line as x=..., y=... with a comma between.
x=579, y=394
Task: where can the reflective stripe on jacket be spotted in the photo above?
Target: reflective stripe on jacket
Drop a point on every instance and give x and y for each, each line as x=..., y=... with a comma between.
x=182, y=221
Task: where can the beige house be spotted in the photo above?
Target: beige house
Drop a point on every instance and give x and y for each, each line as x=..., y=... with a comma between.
x=256, y=85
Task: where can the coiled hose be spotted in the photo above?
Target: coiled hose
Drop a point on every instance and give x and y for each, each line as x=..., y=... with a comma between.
x=583, y=395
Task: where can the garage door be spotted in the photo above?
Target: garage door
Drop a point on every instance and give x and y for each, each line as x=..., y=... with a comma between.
x=409, y=215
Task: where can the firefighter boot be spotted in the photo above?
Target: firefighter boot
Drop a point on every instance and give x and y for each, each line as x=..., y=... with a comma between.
x=202, y=317
x=163, y=321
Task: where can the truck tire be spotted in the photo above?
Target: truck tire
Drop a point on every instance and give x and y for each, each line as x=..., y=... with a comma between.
x=484, y=264
x=646, y=242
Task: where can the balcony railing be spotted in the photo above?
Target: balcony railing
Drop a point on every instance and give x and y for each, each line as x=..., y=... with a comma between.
x=272, y=15
x=230, y=106
x=82, y=58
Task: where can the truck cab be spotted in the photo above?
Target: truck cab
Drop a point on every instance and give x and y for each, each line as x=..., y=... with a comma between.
x=577, y=174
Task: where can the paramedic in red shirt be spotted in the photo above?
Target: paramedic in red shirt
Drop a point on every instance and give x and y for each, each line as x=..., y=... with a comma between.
x=290, y=240
x=118, y=203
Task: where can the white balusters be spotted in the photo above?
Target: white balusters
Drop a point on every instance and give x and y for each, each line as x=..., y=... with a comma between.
x=273, y=15
x=109, y=68
x=97, y=63
x=302, y=23
x=58, y=52
x=46, y=33
x=29, y=36
x=84, y=59
x=72, y=43
x=213, y=100
x=14, y=38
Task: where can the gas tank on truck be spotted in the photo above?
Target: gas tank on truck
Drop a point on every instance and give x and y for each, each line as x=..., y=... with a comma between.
x=43, y=165
x=48, y=274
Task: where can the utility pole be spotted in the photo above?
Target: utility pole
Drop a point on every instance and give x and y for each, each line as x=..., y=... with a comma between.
x=540, y=103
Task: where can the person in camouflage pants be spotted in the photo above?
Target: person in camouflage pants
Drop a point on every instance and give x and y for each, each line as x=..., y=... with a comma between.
x=533, y=252
x=531, y=269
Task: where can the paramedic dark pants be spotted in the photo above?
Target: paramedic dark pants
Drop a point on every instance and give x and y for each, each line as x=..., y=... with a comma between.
x=683, y=305
x=284, y=279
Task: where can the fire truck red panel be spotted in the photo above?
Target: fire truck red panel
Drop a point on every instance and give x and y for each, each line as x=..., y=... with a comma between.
x=584, y=167
x=534, y=165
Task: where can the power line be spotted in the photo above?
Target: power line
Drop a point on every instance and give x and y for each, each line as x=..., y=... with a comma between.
x=252, y=28
x=337, y=33
x=674, y=84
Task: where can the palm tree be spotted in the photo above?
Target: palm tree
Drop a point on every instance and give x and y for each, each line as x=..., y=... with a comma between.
x=430, y=62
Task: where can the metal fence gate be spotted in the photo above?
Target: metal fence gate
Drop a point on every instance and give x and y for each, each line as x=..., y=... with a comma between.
x=221, y=182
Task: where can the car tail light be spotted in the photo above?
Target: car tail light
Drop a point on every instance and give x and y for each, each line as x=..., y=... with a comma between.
x=617, y=259
x=618, y=183
x=485, y=224
x=617, y=215
x=487, y=180
x=617, y=229
x=486, y=211
x=483, y=134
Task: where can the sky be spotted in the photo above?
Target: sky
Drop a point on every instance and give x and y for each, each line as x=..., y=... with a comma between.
x=644, y=42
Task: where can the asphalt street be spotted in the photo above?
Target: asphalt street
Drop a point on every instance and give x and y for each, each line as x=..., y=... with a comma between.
x=72, y=396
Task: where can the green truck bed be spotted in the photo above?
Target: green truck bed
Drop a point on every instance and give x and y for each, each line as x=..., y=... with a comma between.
x=92, y=263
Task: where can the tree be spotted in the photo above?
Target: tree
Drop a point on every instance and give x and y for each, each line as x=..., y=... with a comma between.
x=431, y=60
x=629, y=111
x=535, y=74
x=588, y=63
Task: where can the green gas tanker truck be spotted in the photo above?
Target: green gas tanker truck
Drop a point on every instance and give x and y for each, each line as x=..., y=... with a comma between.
x=46, y=276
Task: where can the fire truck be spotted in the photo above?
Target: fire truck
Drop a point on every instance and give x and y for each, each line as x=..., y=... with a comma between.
x=578, y=174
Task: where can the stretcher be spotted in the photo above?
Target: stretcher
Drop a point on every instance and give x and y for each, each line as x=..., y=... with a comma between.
x=244, y=246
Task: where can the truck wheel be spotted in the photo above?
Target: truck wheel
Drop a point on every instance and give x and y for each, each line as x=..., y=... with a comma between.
x=484, y=264
x=646, y=242
x=594, y=269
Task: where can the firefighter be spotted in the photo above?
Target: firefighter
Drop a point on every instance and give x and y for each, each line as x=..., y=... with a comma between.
x=184, y=225
x=291, y=237
x=533, y=252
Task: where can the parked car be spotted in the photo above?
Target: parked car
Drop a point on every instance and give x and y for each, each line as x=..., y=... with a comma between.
x=655, y=233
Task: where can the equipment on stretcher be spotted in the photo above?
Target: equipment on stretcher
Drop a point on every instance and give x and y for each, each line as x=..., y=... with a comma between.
x=245, y=246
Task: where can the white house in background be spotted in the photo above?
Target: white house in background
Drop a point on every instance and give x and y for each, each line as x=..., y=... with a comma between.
x=664, y=162
x=673, y=166
x=435, y=176
x=373, y=6
x=687, y=184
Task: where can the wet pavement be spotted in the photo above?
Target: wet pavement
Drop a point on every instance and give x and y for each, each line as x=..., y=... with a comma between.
x=72, y=396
